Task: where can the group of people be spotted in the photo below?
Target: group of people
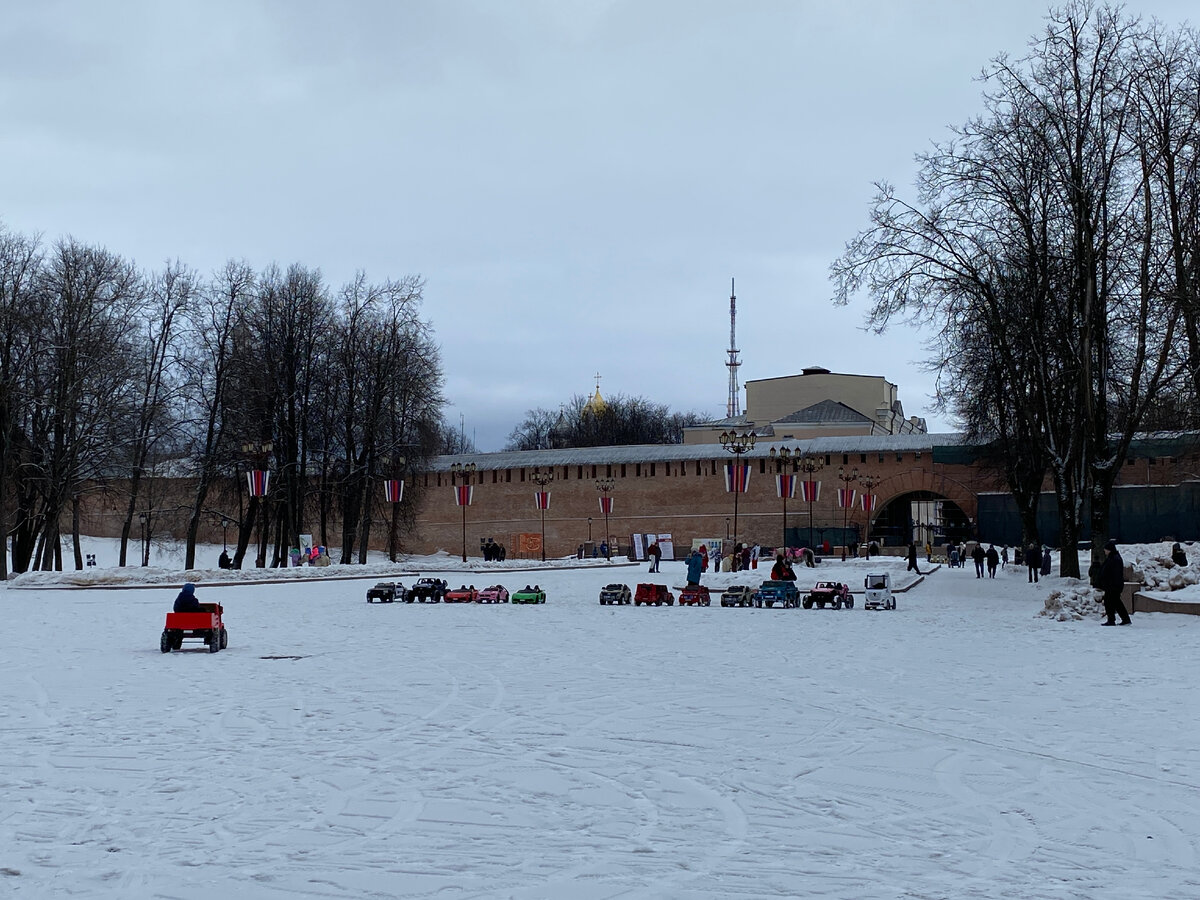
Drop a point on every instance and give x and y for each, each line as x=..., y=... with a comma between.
x=493, y=552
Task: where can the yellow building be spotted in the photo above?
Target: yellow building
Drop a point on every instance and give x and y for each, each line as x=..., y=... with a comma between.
x=815, y=403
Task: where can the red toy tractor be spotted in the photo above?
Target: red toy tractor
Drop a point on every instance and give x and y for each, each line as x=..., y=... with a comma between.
x=203, y=626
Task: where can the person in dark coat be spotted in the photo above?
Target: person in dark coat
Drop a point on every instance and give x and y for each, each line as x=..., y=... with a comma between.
x=781, y=571
x=912, y=558
x=993, y=560
x=1033, y=559
x=1047, y=565
x=186, y=601
x=695, y=565
x=655, y=553
x=978, y=555
x=1112, y=581
x=1178, y=556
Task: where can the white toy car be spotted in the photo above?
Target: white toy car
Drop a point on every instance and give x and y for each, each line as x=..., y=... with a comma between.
x=879, y=592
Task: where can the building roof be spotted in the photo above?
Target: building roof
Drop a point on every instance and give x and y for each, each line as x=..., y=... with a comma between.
x=641, y=453
x=827, y=412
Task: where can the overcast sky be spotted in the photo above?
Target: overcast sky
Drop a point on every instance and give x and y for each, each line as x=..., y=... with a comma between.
x=576, y=182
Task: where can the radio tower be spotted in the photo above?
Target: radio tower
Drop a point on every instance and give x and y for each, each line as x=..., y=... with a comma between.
x=734, y=406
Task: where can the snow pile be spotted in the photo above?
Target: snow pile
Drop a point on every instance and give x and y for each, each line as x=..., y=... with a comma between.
x=1073, y=601
x=1152, y=565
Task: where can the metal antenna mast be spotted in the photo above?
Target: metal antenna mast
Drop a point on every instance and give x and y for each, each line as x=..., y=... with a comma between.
x=734, y=406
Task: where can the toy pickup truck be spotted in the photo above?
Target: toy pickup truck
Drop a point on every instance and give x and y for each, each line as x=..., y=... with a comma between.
x=207, y=626
x=784, y=593
x=426, y=590
x=737, y=595
x=879, y=592
x=829, y=593
x=615, y=595
x=386, y=592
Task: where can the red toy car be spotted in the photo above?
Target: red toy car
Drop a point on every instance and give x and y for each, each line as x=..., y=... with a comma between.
x=463, y=594
x=205, y=626
x=653, y=594
x=833, y=593
x=695, y=596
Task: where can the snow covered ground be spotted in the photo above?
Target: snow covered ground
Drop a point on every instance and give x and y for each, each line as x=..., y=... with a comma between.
x=962, y=746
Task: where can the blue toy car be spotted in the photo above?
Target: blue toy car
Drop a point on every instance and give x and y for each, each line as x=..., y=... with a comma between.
x=782, y=592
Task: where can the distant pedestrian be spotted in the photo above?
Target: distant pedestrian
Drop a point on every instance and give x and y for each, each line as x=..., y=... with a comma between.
x=993, y=560
x=1047, y=565
x=655, y=554
x=754, y=554
x=604, y=549
x=953, y=556
x=978, y=555
x=928, y=552
x=912, y=558
x=746, y=560
x=579, y=551
x=695, y=566
x=781, y=571
x=1033, y=560
x=1004, y=557
x=704, y=557
x=1112, y=582
x=1178, y=556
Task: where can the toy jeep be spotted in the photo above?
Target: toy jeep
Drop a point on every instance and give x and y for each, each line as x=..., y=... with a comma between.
x=653, y=595
x=737, y=595
x=385, y=592
x=784, y=593
x=615, y=595
x=496, y=593
x=879, y=592
x=529, y=595
x=206, y=625
x=695, y=596
x=426, y=590
x=464, y=594
x=829, y=593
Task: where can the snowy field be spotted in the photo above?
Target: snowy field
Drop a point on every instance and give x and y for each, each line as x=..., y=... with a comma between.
x=962, y=746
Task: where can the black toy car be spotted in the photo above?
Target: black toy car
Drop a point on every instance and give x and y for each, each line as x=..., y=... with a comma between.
x=386, y=592
x=426, y=590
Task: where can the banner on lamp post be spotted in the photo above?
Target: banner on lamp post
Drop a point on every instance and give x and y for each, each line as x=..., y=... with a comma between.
x=463, y=494
x=869, y=502
x=259, y=481
x=393, y=490
x=737, y=477
x=785, y=486
x=810, y=491
x=846, y=497
x=606, y=505
x=542, y=499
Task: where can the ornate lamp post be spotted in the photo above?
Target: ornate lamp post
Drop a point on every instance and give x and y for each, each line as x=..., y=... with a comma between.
x=224, y=533
x=589, y=529
x=785, y=484
x=869, y=501
x=846, y=496
x=259, y=482
x=810, y=488
x=541, y=479
x=393, y=493
x=145, y=540
x=737, y=474
x=462, y=495
x=605, y=487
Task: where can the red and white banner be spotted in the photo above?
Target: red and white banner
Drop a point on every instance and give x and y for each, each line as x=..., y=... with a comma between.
x=259, y=481
x=846, y=497
x=810, y=491
x=393, y=490
x=737, y=477
x=870, y=501
x=785, y=486
x=606, y=505
x=463, y=494
x=542, y=498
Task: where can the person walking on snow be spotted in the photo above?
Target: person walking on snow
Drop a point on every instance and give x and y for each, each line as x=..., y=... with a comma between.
x=1033, y=560
x=912, y=558
x=978, y=555
x=993, y=560
x=1112, y=582
x=1046, y=563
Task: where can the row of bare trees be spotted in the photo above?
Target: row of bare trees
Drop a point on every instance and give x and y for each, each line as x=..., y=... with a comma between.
x=1054, y=243
x=110, y=375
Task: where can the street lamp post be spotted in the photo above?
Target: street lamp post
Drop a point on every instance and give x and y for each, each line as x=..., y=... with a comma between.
x=785, y=484
x=145, y=540
x=810, y=465
x=541, y=479
x=462, y=497
x=224, y=534
x=846, y=500
x=737, y=475
x=869, y=500
x=589, y=529
x=259, y=482
x=605, y=487
x=393, y=493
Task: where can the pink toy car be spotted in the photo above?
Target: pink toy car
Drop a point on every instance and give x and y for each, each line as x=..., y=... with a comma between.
x=496, y=593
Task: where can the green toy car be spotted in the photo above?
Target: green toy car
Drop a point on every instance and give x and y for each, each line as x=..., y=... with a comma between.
x=528, y=595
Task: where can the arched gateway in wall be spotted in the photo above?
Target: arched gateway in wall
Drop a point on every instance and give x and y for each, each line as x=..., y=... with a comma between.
x=924, y=505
